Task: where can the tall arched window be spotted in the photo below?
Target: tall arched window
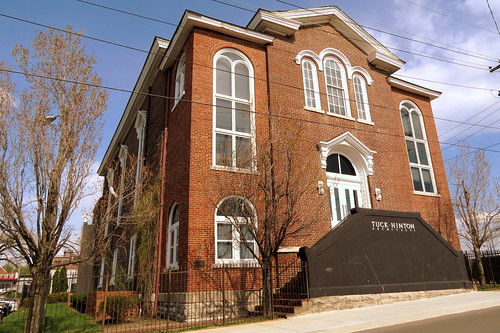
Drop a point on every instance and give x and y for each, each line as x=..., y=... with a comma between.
x=362, y=105
x=234, y=230
x=233, y=111
x=418, y=149
x=336, y=87
x=173, y=237
x=311, y=88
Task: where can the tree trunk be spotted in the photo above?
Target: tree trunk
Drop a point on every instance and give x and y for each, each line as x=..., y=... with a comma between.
x=38, y=293
x=267, y=288
x=480, y=268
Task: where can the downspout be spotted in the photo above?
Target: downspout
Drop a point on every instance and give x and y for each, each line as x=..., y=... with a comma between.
x=163, y=166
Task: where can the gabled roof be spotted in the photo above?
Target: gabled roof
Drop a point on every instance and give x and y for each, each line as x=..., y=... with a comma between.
x=285, y=23
x=148, y=74
x=191, y=20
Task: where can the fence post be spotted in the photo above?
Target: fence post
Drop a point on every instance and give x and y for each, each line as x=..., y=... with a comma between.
x=104, y=305
x=223, y=295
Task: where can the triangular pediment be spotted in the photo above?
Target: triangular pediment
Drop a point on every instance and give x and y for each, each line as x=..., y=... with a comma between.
x=285, y=23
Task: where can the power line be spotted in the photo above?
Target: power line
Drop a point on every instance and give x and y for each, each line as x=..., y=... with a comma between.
x=470, y=126
x=492, y=16
x=72, y=33
x=395, y=35
x=472, y=151
x=239, y=7
x=243, y=110
x=161, y=21
x=449, y=16
x=470, y=118
x=206, y=66
x=446, y=83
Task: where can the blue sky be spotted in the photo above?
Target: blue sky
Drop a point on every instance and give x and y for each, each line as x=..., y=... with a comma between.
x=464, y=30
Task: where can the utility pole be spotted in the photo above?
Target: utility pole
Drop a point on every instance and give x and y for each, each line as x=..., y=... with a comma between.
x=492, y=69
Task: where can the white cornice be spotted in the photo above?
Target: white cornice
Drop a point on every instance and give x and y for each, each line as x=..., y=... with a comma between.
x=289, y=21
x=147, y=75
x=267, y=21
x=413, y=88
x=191, y=20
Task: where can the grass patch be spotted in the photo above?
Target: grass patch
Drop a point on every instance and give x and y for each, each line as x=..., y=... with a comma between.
x=489, y=287
x=58, y=318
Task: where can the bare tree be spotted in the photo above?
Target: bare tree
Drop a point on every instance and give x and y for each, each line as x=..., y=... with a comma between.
x=476, y=201
x=48, y=142
x=266, y=207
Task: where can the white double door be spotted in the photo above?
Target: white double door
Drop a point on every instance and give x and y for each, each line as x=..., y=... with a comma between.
x=343, y=197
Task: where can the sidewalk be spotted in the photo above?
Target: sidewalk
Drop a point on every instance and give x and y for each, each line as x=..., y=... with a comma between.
x=371, y=317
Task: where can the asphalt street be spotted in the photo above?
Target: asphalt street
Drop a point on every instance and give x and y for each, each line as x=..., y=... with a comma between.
x=480, y=321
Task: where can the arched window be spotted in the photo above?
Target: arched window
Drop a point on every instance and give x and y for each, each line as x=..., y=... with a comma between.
x=233, y=111
x=362, y=105
x=336, y=87
x=337, y=163
x=311, y=88
x=418, y=149
x=180, y=78
x=234, y=231
x=173, y=237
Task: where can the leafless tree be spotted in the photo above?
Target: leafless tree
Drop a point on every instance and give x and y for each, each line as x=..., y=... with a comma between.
x=49, y=136
x=266, y=207
x=476, y=201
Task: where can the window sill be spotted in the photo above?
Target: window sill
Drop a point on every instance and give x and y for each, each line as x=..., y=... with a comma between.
x=367, y=122
x=244, y=264
x=308, y=108
x=171, y=268
x=235, y=170
x=340, y=116
x=176, y=101
x=426, y=194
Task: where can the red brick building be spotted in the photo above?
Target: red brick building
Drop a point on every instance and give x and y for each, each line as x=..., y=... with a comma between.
x=203, y=102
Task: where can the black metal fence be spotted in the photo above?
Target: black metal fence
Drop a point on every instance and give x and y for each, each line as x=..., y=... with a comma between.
x=491, y=266
x=187, y=298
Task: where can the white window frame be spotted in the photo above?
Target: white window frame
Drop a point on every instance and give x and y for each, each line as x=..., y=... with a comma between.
x=236, y=237
x=233, y=99
x=173, y=241
x=343, y=88
x=361, y=97
x=315, y=85
x=411, y=107
x=140, y=127
x=110, y=175
x=123, y=155
x=180, y=79
x=113, y=267
x=131, y=257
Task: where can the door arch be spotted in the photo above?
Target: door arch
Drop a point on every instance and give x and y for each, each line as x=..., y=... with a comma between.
x=347, y=163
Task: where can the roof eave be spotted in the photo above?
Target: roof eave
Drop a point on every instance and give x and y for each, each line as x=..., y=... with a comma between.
x=191, y=20
x=413, y=88
x=147, y=74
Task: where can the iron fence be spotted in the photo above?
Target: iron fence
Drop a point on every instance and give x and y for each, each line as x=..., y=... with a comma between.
x=180, y=299
x=491, y=266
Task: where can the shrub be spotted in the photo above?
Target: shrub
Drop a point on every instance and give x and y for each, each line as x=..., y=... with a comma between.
x=79, y=302
x=57, y=298
x=117, y=307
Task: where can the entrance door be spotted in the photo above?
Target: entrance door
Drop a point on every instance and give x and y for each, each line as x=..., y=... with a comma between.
x=343, y=197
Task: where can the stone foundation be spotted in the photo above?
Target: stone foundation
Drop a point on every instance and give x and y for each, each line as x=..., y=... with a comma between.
x=207, y=305
x=329, y=303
